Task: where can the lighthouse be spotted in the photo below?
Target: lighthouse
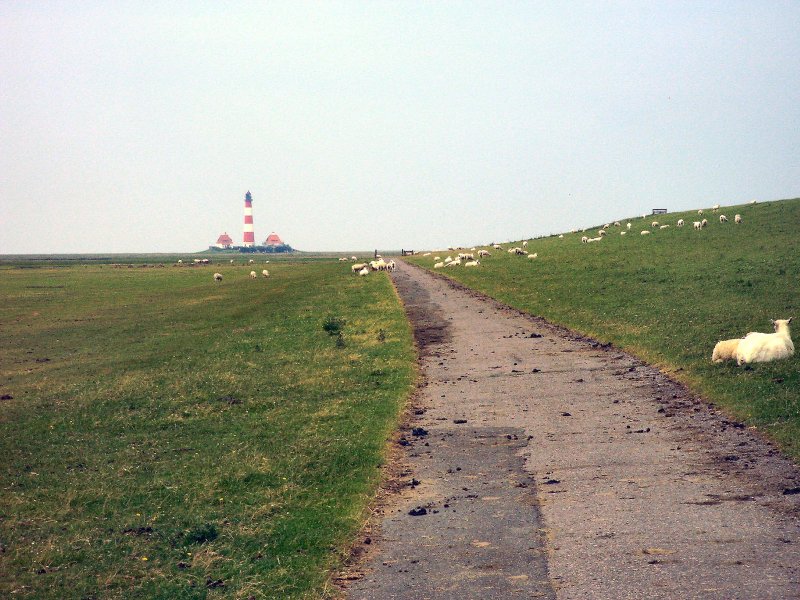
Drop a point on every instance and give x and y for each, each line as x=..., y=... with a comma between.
x=249, y=238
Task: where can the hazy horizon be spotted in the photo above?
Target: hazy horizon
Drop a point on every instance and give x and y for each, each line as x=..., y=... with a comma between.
x=134, y=128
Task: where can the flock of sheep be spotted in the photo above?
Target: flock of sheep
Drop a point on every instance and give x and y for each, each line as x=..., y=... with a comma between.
x=754, y=347
x=253, y=274
x=699, y=225
x=364, y=269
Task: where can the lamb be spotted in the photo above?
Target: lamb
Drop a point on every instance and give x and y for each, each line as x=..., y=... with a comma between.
x=251, y=261
x=253, y=275
x=448, y=260
x=737, y=218
x=437, y=258
x=217, y=276
x=601, y=233
x=525, y=243
x=697, y=224
x=664, y=227
x=628, y=225
x=623, y=232
x=343, y=259
x=265, y=273
x=472, y=263
x=454, y=263
x=597, y=239
x=645, y=232
x=561, y=237
x=363, y=272
x=766, y=347
x=584, y=240
x=654, y=224
x=438, y=265
x=617, y=224
x=354, y=258
x=680, y=222
x=723, y=219
x=725, y=350
x=534, y=255
x=700, y=212
x=704, y=223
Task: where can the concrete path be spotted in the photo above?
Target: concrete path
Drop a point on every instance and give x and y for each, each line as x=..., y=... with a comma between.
x=547, y=466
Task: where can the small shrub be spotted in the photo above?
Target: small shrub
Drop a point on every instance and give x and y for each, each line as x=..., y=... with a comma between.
x=333, y=324
x=201, y=534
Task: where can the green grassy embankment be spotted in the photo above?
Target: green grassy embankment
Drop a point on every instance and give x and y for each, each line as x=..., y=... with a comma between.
x=170, y=437
x=668, y=297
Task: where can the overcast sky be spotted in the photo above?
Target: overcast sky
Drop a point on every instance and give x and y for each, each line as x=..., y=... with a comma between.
x=138, y=127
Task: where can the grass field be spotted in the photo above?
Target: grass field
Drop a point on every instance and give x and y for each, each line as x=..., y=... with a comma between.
x=670, y=296
x=169, y=437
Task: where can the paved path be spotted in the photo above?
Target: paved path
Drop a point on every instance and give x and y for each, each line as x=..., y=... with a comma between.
x=551, y=467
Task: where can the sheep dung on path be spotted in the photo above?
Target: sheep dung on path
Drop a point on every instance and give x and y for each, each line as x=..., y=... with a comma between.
x=725, y=350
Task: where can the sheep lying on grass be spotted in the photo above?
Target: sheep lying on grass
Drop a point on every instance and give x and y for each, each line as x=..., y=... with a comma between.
x=645, y=232
x=484, y=253
x=438, y=265
x=725, y=350
x=472, y=263
x=364, y=272
x=534, y=255
x=766, y=347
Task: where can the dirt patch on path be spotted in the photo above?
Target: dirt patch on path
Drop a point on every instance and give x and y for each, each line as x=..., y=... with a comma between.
x=614, y=481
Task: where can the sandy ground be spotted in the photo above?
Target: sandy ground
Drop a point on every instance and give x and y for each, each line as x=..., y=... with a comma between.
x=548, y=466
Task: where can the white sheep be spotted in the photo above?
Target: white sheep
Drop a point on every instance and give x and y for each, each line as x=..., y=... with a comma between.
x=357, y=267
x=180, y=262
x=525, y=243
x=601, y=233
x=251, y=261
x=438, y=265
x=765, y=347
x=217, y=276
x=700, y=212
x=354, y=258
x=715, y=208
x=654, y=224
x=704, y=223
x=623, y=232
x=723, y=219
x=448, y=260
x=645, y=232
x=629, y=225
x=534, y=255
x=680, y=222
x=454, y=263
x=664, y=227
x=231, y=261
x=584, y=240
x=427, y=254
x=253, y=275
x=737, y=218
x=597, y=239
x=265, y=273
x=437, y=258
x=561, y=237
x=725, y=350
x=472, y=263
x=617, y=224
x=497, y=246
x=484, y=253
x=697, y=224
x=343, y=259
x=363, y=272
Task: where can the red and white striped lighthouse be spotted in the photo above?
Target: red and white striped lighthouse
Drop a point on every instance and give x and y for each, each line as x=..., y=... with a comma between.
x=249, y=236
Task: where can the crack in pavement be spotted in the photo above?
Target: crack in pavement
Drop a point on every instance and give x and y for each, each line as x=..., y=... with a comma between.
x=553, y=466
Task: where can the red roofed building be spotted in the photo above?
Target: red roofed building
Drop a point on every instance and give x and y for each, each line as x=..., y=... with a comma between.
x=224, y=241
x=273, y=240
